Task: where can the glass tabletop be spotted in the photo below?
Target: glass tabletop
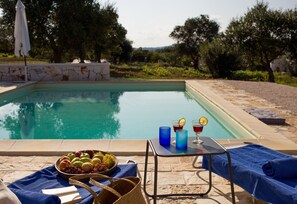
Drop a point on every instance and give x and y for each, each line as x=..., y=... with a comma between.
x=208, y=147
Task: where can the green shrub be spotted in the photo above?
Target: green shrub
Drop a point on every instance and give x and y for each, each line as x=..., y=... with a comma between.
x=286, y=79
x=249, y=75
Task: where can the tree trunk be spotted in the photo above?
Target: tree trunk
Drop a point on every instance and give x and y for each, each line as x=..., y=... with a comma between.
x=196, y=63
x=82, y=53
x=57, y=55
x=270, y=73
x=98, y=54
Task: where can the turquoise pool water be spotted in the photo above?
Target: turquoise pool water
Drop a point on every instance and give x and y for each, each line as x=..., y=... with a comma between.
x=101, y=114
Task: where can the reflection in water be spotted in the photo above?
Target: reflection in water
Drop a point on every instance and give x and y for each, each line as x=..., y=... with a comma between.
x=27, y=120
x=67, y=115
x=92, y=114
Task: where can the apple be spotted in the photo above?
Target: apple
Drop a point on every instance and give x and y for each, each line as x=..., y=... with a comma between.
x=85, y=159
x=90, y=152
x=95, y=161
x=75, y=159
x=77, y=164
x=71, y=156
x=87, y=167
x=84, y=154
x=64, y=164
x=64, y=158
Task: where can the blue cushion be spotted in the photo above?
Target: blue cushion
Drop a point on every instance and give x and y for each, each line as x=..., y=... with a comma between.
x=28, y=189
x=281, y=168
x=247, y=162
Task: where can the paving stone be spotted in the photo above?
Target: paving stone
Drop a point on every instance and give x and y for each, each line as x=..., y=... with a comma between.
x=266, y=116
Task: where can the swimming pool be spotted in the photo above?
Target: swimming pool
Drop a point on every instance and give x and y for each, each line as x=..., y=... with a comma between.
x=104, y=111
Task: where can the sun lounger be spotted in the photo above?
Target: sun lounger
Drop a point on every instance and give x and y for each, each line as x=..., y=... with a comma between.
x=29, y=189
x=247, y=167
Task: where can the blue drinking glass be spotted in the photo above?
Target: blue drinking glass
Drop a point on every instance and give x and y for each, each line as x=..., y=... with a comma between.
x=164, y=136
x=181, y=139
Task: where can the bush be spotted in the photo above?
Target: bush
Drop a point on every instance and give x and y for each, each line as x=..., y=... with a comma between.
x=249, y=75
x=219, y=60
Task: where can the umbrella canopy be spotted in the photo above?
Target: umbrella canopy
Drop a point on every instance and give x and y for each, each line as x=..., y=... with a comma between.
x=21, y=34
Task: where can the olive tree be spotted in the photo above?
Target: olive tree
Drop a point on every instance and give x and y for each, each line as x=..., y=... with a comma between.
x=192, y=34
x=262, y=34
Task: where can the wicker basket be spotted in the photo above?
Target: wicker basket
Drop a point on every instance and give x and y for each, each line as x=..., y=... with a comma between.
x=120, y=190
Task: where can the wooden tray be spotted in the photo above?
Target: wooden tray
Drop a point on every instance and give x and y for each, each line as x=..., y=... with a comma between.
x=106, y=172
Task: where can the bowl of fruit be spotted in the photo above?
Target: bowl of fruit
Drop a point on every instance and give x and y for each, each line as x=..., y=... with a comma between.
x=86, y=162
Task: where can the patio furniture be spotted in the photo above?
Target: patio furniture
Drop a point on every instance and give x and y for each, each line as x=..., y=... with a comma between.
x=208, y=148
x=29, y=189
x=247, y=167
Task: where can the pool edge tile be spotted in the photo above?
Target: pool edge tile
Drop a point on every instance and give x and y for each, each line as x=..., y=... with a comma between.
x=128, y=147
x=76, y=145
x=33, y=147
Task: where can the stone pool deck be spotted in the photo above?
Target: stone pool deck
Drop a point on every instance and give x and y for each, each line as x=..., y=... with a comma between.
x=21, y=158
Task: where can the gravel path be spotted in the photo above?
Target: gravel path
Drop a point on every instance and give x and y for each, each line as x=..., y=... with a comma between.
x=281, y=95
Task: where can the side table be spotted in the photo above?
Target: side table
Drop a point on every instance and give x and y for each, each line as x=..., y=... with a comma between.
x=208, y=148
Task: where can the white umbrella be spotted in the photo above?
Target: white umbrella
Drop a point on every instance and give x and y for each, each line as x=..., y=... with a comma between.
x=21, y=34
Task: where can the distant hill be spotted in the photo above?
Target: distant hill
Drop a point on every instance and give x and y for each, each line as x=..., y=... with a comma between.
x=153, y=48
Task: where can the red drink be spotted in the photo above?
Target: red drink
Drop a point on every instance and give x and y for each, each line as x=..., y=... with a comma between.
x=197, y=128
x=177, y=127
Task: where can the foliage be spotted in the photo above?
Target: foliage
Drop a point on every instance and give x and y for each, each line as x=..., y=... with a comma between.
x=5, y=38
x=249, y=75
x=192, y=34
x=262, y=76
x=262, y=35
x=154, y=71
x=291, y=16
x=12, y=59
x=219, y=60
x=286, y=79
x=63, y=30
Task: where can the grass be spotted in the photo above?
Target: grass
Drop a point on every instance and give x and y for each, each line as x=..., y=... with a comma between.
x=20, y=60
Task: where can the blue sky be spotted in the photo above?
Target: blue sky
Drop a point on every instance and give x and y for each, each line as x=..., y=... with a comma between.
x=149, y=22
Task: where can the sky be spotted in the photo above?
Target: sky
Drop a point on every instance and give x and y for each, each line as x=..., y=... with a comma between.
x=150, y=22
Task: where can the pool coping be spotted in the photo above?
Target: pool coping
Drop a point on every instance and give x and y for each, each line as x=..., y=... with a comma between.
x=265, y=135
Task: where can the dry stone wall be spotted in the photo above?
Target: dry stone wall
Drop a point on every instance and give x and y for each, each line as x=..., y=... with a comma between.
x=56, y=72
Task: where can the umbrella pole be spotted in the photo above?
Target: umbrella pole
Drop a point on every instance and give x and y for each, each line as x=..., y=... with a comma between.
x=26, y=77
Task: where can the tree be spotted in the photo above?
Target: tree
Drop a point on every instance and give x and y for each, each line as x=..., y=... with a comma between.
x=116, y=39
x=6, y=40
x=68, y=28
x=291, y=16
x=192, y=34
x=261, y=34
x=74, y=20
x=127, y=50
x=220, y=59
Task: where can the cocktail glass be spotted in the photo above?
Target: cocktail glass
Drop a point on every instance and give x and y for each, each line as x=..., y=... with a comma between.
x=198, y=128
x=176, y=127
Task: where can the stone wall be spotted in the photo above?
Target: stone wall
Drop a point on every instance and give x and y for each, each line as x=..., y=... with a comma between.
x=56, y=72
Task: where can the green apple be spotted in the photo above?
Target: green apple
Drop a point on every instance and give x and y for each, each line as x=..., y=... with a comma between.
x=71, y=156
x=85, y=159
x=84, y=154
x=77, y=164
x=75, y=159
